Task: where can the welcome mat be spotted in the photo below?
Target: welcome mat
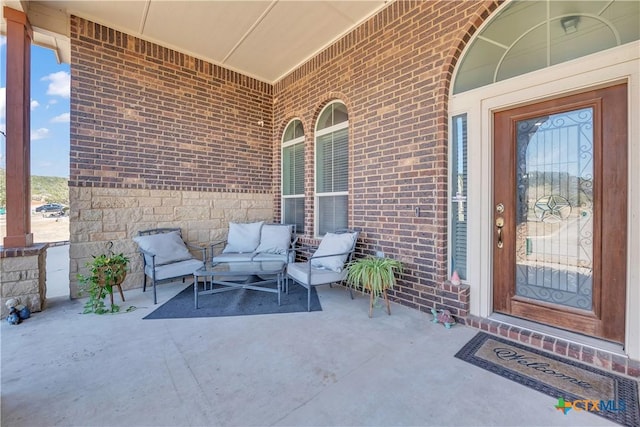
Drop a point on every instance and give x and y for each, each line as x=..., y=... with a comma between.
x=577, y=386
x=236, y=302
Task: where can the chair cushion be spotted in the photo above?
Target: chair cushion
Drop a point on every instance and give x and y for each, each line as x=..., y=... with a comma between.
x=232, y=257
x=271, y=257
x=243, y=237
x=167, y=247
x=333, y=244
x=177, y=269
x=298, y=271
x=274, y=239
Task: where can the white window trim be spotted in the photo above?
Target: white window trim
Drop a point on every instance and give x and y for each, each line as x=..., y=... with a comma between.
x=299, y=140
x=337, y=193
x=333, y=128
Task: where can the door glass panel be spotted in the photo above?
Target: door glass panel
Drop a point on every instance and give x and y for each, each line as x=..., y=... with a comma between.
x=554, y=216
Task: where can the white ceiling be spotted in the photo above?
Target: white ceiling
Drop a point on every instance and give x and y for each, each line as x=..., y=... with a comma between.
x=262, y=39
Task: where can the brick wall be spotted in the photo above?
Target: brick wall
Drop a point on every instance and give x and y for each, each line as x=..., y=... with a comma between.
x=393, y=73
x=144, y=116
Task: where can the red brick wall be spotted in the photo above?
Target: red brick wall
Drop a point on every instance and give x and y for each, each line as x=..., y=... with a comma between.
x=143, y=116
x=393, y=73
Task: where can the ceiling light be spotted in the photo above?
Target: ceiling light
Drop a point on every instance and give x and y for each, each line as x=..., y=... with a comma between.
x=570, y=24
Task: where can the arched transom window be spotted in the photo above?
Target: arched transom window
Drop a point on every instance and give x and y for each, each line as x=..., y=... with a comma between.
x=526, y=36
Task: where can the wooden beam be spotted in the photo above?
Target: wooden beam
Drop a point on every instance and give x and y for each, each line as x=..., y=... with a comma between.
x=18, y=132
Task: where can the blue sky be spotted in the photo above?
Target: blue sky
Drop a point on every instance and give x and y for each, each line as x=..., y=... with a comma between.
x=50, y=88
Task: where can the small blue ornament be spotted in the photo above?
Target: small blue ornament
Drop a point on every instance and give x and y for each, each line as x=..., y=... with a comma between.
x=25, y=313
x=13, y=317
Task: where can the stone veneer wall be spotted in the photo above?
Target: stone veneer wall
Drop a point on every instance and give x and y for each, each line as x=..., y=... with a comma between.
x=23, y=276
x=102, y=215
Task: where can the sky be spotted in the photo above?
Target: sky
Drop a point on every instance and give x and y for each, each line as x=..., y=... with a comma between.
x=50, y=90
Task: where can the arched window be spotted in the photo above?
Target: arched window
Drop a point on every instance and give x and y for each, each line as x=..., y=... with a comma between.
x=293, y=175
x=525, y=36
x=332, y=169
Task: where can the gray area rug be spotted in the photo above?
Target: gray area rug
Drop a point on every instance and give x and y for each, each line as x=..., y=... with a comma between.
x=236, y=302
x=578, y=387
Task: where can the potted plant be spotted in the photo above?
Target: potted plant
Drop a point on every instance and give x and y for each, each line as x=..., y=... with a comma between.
x=105, y=272
x=375, y=275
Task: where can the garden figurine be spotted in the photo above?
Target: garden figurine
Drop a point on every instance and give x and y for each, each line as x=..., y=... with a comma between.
x=13, y=317
x=444, y=317
x=16, y=308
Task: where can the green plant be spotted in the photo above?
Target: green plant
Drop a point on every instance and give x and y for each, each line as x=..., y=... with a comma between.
x=375, y=275
x=105, y=272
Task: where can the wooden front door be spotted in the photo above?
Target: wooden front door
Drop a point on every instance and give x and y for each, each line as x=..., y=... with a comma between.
x=560, y=212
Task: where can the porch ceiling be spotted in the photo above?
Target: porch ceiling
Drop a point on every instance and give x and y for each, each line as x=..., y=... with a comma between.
x=262, y=39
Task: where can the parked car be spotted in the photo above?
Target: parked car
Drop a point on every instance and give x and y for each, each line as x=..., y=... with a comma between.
x=50, y=207
x=3, y=211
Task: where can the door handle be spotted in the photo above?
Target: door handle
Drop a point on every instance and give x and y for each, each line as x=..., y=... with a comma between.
x=499, y=225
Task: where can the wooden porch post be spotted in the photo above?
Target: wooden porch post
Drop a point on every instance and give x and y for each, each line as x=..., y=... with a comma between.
x=18, y=132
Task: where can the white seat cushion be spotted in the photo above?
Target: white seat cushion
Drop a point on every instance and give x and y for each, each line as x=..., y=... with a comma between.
x=176, y=269
x=233, y=257
x=271, y=257
x=298, y=272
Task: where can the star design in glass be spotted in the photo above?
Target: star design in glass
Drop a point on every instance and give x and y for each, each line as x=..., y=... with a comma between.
x=552, y=208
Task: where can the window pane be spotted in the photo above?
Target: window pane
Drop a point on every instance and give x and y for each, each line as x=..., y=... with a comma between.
x=459, y=201
x=293, y=176
x=324, y=168
x=293, y=170
x=287, y=169
x=298, y=175
x=288, y=133
x=294, y=130
x=593, y=36
x=478, y=66
x=554, y=208
x=340, y=113
x=333, y=114
x=326, y=118
x=293, y=212
x=332, y=214
x=332, y=157
x=528, y=54
x=298, y=131
x=340, y=160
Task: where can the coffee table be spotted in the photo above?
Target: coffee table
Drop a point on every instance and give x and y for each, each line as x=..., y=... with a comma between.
x=233, y=275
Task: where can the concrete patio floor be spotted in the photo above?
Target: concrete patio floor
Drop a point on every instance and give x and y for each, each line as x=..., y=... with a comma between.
x=336, y=367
